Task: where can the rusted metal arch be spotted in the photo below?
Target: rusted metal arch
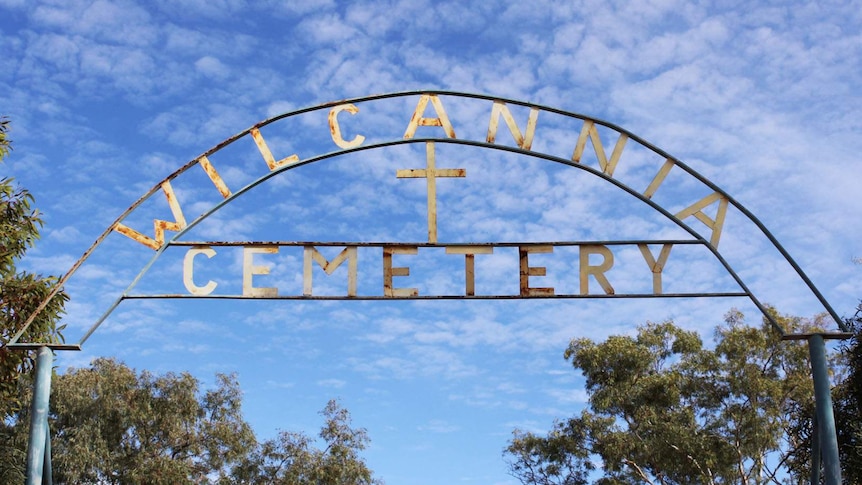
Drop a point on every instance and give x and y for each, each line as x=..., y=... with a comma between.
x=330, y=155
x=826, y=443
x=670, y=159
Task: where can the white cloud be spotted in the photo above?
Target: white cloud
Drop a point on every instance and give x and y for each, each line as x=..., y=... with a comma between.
x=301, y=8
x=211, y=67
x=194, y=9
x=327, y=29
x=114, y=21
x=109, y=97
x=438, y=426
x=332, y=383
x=569, y=396
x=276, y=108
x=66, y=234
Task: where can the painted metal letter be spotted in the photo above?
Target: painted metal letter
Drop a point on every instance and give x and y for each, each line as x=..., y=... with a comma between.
x=335, y=130
x=249, y=270
x=264, y=150
x=696, y=210
x=656, y=267
x=442, y=120
x=597, y=271
x=160, y=225
x=589, y=131
x=188, y=271
x=311, y=253
x=527, y=270
x=469, y=253
x=389, y=271
x=524, y=141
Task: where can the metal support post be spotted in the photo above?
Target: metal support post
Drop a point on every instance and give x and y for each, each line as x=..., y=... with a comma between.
x=38, y=447
x=815, y=452
x=827, y=435
x=47, y=469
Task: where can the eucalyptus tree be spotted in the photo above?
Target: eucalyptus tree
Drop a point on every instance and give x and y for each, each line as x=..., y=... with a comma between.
x=20, y=294
x=293, y=458
x=666, y=409
x=111, y=424
x=20, y=291
x=847, y=406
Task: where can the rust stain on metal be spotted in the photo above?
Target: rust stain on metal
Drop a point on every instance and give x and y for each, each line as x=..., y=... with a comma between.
x=264, y=150
x=136, y=236
x=417, y=119
x=525, y=140
x=335, y=129
x=214, y=176
x=702, y=210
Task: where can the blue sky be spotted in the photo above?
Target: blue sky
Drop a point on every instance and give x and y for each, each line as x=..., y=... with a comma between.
x=109, y=98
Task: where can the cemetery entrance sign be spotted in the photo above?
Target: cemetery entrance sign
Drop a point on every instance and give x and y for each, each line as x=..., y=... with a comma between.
x=428, y=120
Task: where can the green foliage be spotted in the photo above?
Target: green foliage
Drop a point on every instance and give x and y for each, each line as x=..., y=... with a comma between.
x=848, y=404
x=665, y=409
x=20, y=292
x=560, y=458
x=5, y=142
x=113, y=425
x=847, y=407
x=291, y=458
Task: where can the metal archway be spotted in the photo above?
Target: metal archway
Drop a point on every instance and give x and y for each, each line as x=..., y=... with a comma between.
x=702, y=218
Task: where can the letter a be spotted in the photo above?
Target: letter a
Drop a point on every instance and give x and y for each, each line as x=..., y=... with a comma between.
x=696, y=210
x=441, y=120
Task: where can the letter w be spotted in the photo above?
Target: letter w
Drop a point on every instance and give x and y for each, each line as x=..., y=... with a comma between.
x=160, y=225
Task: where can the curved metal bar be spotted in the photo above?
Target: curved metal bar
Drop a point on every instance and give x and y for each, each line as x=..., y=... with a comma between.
x=373, y=146
x=58, y=286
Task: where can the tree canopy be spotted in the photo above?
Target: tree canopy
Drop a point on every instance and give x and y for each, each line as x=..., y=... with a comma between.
x=665, y=409
x=20, y=291
x=292, y=459
x=113, y=425
x=848, y=404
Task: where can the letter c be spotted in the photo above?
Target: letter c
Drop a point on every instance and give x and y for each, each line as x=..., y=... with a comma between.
x=188, y=271
x=335, y=130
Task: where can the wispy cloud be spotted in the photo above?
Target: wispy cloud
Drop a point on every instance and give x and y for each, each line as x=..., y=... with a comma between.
x=108, y=97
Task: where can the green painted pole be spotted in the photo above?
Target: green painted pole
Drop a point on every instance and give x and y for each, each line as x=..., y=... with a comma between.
x=828, y=436
x=815, y=452
x=47, y=469
x=36, y=448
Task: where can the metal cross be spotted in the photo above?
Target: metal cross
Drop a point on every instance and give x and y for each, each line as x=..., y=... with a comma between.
x=430, y=173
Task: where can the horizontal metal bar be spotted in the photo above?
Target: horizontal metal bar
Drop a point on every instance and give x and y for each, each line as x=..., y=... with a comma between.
x=436, y=297
x=633, y=137
x=437, y=244
x=36, y=346
x=825, y=335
